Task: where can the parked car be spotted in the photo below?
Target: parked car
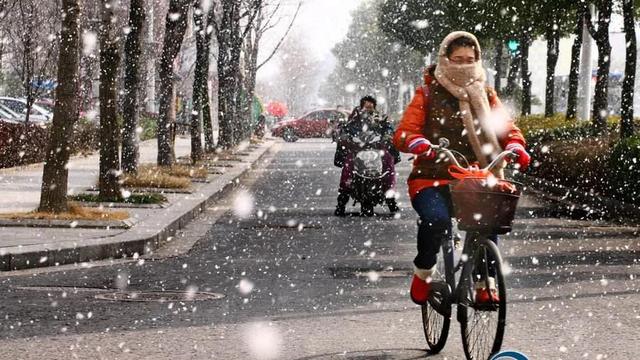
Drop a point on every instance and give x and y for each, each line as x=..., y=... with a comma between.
x=317, y=123
x=38, y=114
x=47, y=104
x=10, y=116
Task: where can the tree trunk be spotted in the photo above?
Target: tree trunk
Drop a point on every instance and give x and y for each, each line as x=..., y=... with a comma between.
x=574, y=72
x=626, y=122
x=601, y=36
x=109, y=62
x=176, y=25
x=207, y=123
x=228, y=68
x=130, y=111
x=53, y=197
x=513, y=74
x=151, y=62
x=498, y=77
x=526, y=76
x=553, y=49
x=199, y=82
x=601, y=92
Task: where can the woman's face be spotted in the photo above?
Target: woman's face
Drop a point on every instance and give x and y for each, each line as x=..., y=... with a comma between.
x=463, y=55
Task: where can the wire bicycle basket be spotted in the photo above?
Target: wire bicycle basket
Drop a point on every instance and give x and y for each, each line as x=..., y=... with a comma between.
x=483, y=205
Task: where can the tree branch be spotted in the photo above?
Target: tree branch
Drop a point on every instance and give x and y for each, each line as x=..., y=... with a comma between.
x=257, y=5
x=295, y=15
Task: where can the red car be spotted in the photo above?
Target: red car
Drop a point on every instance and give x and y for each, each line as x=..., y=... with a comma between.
x=318, y=123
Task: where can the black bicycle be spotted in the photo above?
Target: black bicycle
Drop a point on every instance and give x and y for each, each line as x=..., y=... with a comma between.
x=481, y=210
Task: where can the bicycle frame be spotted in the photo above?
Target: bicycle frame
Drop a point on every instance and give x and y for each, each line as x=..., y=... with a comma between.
x=447, y=293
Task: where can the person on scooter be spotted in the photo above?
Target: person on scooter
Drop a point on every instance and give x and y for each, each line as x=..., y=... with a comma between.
x=454, y=103
x=365, y=117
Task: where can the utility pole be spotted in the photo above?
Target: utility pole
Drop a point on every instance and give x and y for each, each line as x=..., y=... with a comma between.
x=151, y=65
x=584, y=106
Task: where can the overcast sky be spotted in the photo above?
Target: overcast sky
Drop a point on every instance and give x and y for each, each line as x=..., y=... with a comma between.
x=323, y=23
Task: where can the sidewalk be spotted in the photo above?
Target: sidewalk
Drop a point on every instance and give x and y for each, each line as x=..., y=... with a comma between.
x=26, y=247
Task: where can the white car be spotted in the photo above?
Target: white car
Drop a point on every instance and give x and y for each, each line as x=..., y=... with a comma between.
x=37, y=115
x=9, y=116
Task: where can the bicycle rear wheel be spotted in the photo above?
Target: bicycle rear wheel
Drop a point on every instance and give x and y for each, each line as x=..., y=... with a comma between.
x=482, y=325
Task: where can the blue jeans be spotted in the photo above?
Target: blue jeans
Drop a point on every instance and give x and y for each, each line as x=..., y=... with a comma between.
x=433, y=206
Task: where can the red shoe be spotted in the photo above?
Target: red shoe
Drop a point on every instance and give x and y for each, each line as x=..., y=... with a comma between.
x=420, y=290
x=484, y=296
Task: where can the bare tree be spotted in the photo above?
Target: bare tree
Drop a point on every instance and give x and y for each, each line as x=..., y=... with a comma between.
x=28, y=26
x=266, y=19
x=53, y=197
x=175, y=27
x=231, y=34
x=297, y=73
x=132, y=82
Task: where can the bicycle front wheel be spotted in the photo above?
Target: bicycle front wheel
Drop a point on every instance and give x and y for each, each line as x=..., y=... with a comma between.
x=436, y=328
x=434, y=323
x=482, y=323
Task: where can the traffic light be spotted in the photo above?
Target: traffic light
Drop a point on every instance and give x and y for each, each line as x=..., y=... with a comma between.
x=513, y=46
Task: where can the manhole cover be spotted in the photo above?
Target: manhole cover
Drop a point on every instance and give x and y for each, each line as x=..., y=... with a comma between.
x=159, y=296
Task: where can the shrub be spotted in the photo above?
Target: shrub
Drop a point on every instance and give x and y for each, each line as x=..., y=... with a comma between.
x=577, y=163
x=149, y=125
x=22, y=144
x=86, y=136
x=624, y=170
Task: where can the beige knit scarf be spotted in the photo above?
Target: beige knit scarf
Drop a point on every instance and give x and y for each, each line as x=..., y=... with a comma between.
x=467, y=83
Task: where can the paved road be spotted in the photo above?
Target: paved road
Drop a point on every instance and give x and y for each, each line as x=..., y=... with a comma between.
x=288, y=274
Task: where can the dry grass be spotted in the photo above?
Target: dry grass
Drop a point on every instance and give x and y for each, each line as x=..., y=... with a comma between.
x=75, y=213
x=194, y=172
x=151, y=176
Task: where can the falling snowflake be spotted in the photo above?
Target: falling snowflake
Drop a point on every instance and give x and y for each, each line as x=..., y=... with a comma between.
x=243, y=204
x=263, y=340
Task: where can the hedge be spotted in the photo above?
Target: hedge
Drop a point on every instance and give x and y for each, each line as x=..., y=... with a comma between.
x=26, y=144
x=573, y=154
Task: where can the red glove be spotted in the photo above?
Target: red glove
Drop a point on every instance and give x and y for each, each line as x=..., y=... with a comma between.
x=421, y=147
x=523, y=156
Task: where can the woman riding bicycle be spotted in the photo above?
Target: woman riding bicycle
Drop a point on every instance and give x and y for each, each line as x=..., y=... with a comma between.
x=456, y=104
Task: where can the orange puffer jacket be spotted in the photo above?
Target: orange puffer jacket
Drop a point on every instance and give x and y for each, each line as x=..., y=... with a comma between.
x=414, y=124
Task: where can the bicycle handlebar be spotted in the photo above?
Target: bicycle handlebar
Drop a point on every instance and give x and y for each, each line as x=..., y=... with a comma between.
x=444, y=143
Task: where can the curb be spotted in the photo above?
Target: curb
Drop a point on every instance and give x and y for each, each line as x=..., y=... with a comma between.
x=580, y=202
x=143, y=241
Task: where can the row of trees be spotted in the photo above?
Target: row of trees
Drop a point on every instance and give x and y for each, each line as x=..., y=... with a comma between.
x=421, y=24
x=236, y=25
